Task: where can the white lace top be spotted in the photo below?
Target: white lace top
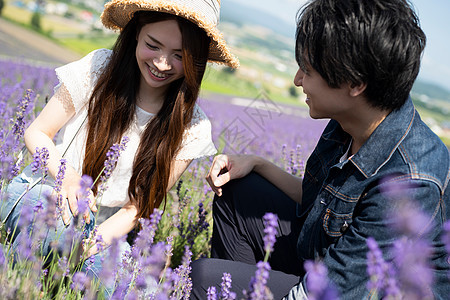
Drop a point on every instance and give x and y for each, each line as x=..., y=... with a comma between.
x=77, y=81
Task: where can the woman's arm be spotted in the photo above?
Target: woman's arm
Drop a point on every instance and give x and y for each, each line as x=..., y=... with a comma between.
x=40, y=134
x=227, y=167
x=123, y=221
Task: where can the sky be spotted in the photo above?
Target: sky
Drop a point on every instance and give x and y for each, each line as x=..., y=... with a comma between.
x=434, y=16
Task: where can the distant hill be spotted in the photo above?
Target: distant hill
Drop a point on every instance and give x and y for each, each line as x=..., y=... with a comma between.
x=238, y=13
x=432, y=90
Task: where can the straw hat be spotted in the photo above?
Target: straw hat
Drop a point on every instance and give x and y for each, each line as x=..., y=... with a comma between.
x=204, y=13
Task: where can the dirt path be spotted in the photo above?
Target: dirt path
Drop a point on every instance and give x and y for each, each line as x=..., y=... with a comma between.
x=17, y=42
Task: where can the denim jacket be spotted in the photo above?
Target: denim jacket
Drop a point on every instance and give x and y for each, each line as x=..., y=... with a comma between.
x=343, y=203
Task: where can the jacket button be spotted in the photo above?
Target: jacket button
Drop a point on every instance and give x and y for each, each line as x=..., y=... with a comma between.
x=344, y=227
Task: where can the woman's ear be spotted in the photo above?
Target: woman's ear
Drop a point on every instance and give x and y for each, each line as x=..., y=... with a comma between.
x=356, y=90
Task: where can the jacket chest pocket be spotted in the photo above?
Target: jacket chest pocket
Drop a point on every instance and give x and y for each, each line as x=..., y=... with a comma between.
x=337, y=215
x=335, y=224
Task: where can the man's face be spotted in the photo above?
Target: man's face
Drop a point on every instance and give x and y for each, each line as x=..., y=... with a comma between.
x=323, y=101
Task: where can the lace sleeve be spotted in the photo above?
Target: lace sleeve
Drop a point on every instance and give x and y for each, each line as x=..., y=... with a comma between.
x=197, y=140
x=80, y=77
x=63, y=95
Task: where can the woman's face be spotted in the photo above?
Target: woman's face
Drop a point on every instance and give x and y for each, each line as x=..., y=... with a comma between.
x=158, y=54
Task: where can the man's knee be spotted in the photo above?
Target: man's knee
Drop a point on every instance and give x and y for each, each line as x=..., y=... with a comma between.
x=251, y=181
x=202, y=276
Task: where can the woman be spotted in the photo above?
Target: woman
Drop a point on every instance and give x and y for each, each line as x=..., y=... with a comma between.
x=145, y=89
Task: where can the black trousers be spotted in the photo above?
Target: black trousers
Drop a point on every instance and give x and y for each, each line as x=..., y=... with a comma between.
x=237, y=242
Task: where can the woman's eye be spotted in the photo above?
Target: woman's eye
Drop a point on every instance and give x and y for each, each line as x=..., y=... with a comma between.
x=151, y=47
x=178, y=56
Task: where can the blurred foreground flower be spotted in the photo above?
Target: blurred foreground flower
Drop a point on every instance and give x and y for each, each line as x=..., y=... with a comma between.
x=317, y=283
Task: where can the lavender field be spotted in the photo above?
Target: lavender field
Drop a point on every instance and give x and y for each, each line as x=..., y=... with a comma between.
x=284, y=135
x=158, y=265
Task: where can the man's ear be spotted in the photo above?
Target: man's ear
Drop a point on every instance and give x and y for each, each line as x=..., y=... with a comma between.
x=357, y=89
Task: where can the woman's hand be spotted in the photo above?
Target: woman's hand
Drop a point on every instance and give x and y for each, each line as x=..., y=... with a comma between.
x=70, y=192
x=227, y=167
x=89, y=247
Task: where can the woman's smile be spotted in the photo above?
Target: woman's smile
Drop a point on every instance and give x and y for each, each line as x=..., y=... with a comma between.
x=156, y=74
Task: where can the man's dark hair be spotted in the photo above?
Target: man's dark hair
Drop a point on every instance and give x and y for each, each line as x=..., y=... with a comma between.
x=377, y=42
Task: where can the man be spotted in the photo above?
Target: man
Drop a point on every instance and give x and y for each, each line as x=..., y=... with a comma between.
x=357, y=63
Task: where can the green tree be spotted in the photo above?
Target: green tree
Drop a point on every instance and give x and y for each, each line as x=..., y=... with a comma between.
x=36, y=21
x=2, y=4
x=229, y=70
x=293, y=91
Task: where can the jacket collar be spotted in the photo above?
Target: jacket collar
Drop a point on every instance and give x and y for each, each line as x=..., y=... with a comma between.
x=385, y=139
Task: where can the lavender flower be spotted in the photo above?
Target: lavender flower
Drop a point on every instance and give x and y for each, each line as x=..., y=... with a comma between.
x=84, y=193
x=166, y=286
x=18, y=127
x=25, y=244
x=146, y=235
x=270, y=225
x=183, y=284
x=3, y=260
x=225, y=291
x=40, y=161
x=169, y=246
x=110, y=163
x=8, y=167
x=317, y=283
x=111, y=262
x=257, y=287
x=446, y=236
x=47, y=219
x=211, y=293
x=26, y=216
x=195, y=227
x=381, y=273
x=80, y=282
x=63, y=265
x=58, y=184
x=376, y=266
x=415, y=275
x=409, y=220
x=411, y=252
x=202, y=223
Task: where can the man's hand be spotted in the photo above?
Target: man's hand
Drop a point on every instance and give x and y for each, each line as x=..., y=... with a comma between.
x=227, y=167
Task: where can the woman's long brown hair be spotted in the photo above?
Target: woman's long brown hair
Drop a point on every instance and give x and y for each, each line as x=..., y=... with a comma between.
x=112, y=108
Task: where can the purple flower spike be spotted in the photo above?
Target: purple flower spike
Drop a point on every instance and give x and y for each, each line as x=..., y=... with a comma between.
x=145, y=237
x=257, y=287
x=211, y=293
x=270, y=224
x=375, y=265
x=381, y=273
x=80, y=281
x=18, y=127
x=446, y=236
x=110, y=163
x=225, y=292
x=85, y=192
x=183, y=283
x=40, y=161
x=415, y=275
x=58, y=184
x=317, y=282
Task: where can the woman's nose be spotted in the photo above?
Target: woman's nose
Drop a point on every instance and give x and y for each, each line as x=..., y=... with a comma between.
x=162, y=63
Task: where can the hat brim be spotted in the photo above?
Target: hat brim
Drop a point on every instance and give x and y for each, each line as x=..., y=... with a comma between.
x=118, y=13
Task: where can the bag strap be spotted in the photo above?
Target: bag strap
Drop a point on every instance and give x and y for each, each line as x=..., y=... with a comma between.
x=38, y=180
